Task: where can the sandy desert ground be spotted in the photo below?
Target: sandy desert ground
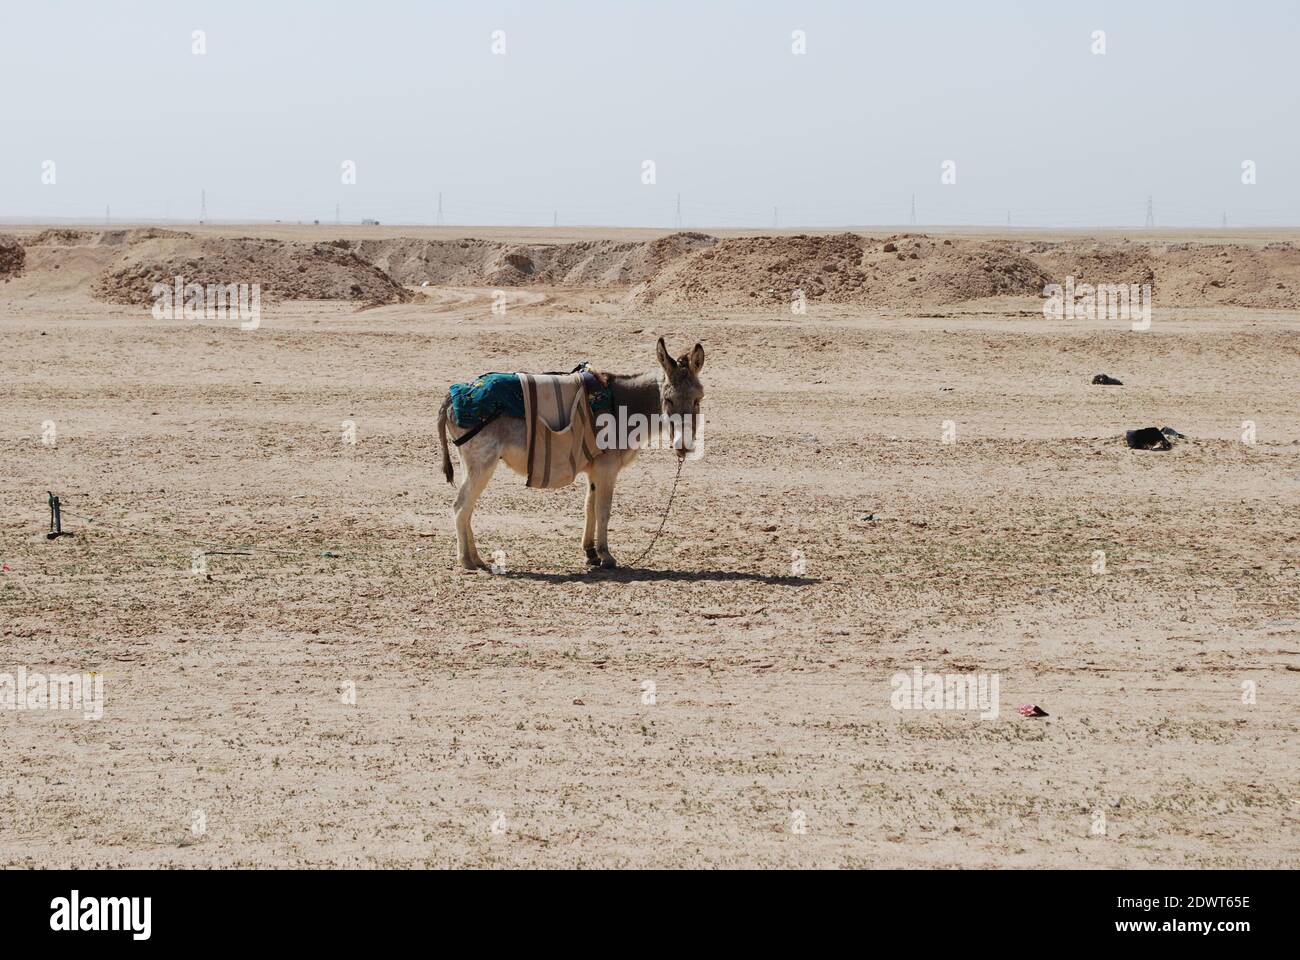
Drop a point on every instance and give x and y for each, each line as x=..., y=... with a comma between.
x=502, y=720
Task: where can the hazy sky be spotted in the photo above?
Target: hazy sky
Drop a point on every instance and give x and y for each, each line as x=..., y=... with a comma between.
x=412, y=93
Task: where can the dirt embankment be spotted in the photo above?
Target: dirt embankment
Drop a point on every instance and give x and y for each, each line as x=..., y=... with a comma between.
x=469, y=262
x=682, y=269
x=285, y=271
x=918, y=270
x=846, y=268
x=12, y=257
x=1186, y=274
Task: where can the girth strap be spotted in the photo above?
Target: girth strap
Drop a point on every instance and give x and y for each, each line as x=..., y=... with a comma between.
x=467, y=437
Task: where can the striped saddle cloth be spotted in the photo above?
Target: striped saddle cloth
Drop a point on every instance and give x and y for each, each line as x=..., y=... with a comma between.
x=560, y=426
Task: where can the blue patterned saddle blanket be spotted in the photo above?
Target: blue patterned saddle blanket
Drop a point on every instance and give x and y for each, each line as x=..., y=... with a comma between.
x=501, y=394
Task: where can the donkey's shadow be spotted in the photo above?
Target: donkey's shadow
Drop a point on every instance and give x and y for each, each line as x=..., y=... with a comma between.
x=634, y=574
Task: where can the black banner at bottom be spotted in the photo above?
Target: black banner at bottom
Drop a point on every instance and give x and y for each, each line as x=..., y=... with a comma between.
x=332, y=909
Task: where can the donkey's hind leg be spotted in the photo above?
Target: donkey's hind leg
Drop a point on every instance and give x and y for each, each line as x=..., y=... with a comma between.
x=478, y=471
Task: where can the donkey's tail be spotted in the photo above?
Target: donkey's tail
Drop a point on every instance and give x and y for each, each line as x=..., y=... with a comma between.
x=442, y=438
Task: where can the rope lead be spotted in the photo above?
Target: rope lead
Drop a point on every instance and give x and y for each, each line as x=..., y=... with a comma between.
x=664, y=519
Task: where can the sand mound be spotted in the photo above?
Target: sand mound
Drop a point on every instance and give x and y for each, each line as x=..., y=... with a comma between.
x=762, y=270
x=1093, y=262
x=1267, y=277
x=846, y=268
x=1186, y=274
x=473, y=262
x=443, y=262
x=64, y=237
x=285, y=271
x=918, y=271
x=12, y=257
x=607, y=263
x=59, y=237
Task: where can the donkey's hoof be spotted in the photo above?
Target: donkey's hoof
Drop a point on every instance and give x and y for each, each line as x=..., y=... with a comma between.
x=593, y=558
x=607, y=562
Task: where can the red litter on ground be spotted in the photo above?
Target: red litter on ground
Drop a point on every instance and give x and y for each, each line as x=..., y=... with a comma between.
x=5, y=568
x=1032, y=710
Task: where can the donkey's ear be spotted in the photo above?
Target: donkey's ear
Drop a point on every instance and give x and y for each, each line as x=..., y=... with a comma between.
x=697, y=358
x=665, y=361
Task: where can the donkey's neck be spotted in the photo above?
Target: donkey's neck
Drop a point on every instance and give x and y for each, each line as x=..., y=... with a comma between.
x=639, y=393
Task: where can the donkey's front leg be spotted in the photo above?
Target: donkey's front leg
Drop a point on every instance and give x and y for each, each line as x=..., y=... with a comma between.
x=589, y=531
x=604, y=484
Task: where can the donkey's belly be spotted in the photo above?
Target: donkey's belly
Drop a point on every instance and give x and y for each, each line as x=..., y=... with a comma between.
x=513, y=440
x=516, y=458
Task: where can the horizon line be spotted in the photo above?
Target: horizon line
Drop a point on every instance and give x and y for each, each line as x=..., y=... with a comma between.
x=682, y=228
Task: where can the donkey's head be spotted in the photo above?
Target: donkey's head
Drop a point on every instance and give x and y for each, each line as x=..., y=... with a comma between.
x=680, y=394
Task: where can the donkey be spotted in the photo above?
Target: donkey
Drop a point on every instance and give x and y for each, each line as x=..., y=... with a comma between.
x=669, y=395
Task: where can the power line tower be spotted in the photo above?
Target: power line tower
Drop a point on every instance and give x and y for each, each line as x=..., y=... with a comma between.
x=775, y=218
x=108, y=215
x=337, y=221
x=555, y=218
x=677, y=218
x=203, y=206
x=1225, y=221
x=440, y=208
x=913, y=218
x=1008, y=218
x=1151, y=213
